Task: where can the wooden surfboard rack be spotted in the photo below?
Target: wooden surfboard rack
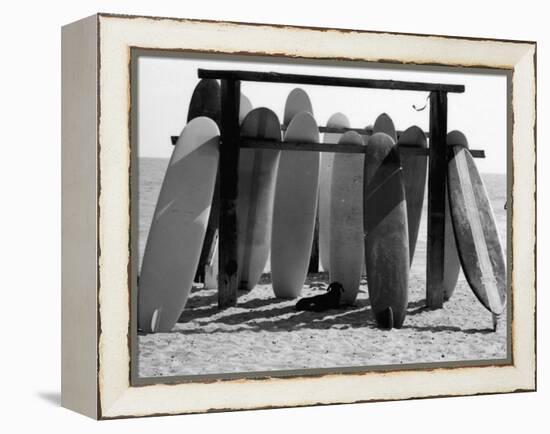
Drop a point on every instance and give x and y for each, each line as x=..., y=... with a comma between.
x=231, y=142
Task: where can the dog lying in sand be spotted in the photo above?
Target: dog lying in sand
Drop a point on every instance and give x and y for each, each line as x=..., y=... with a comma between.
x=322, y=302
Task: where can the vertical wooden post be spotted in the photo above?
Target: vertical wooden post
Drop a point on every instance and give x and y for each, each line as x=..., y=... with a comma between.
x=228, y=173
x=437, y=185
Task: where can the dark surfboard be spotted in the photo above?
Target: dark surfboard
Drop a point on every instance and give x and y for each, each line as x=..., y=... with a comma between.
x=386, y=232
x=206, y=101
x=384, y=124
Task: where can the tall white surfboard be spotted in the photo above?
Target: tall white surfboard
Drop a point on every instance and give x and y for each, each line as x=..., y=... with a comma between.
x=346, y=219
x=177, y=231
x=257, y=177
x=337, y=120
x=294, y=210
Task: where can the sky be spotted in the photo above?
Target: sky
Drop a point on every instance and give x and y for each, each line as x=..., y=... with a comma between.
x=166, y=82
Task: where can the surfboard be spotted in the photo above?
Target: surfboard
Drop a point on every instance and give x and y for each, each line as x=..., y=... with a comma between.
x=346, y=219
x=337, y=120
x=477, y=239
x=451, y=262
x=245, y=107
x=297, y=101
x=294, y=210
x=414, y=176
x=366, y=136
x=179, y=224
x=257, y=176
x=206, y=101
x=386, y=232
x=212, y=268
x=384, y=124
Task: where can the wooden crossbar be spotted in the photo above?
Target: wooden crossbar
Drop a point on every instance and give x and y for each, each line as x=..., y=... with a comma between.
x=342, y=148
x=252, y=142
x=275, y=77
x=343, y=130
x=336, y=130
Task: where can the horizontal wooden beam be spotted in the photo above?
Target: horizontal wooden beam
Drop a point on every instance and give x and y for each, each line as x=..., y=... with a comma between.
x=328, y=147
x=301, y=146
x=275, y=77
x=332, y=147
x=343, y=130
x=325, y=129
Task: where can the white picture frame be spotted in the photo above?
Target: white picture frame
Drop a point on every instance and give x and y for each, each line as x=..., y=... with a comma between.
x=96, y=153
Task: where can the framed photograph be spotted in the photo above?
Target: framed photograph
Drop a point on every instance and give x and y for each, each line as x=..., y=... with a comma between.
x=262, y=216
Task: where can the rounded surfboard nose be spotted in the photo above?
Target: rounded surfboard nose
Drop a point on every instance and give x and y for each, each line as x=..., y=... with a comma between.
x=386, y=232
x=384, y=124
x=205, y=101
x=297, y=101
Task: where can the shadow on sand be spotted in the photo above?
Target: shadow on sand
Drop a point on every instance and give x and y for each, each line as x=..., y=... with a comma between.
x=274, y=314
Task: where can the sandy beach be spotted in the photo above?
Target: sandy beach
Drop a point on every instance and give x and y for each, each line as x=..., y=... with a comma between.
x=263, y=333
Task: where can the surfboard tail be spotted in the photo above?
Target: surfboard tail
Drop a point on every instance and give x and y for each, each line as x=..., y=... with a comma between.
x=390, y=319
x=384, y=318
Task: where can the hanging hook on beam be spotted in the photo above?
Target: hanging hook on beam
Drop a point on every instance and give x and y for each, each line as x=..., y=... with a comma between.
x=419, y=109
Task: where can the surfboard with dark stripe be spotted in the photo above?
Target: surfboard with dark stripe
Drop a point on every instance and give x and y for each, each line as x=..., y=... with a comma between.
x=386, y=232
x=476, y=233
x=257, y=178
x=451, y=262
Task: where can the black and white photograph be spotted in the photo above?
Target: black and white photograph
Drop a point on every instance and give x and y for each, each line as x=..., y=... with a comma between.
x=277, y=217
x=302, y=217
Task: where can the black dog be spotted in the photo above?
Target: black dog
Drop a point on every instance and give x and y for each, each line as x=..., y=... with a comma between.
x=320, y=303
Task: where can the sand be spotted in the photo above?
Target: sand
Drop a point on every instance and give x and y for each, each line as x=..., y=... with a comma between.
x=263, y=333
